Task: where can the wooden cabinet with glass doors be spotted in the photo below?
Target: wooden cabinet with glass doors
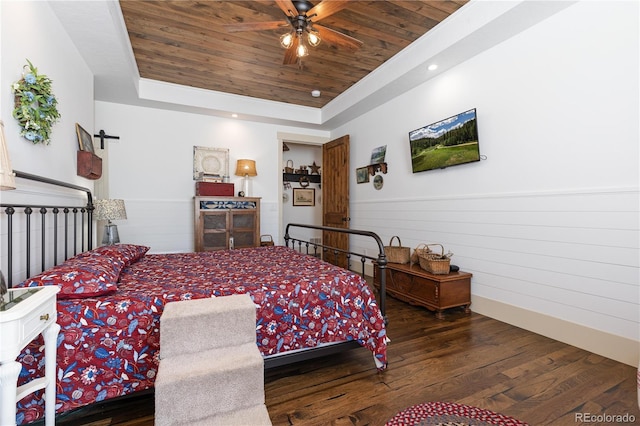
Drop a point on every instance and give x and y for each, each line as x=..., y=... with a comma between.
x=226, y=222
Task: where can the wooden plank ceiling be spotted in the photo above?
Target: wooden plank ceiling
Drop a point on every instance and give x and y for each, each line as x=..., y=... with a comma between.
x=185, y=42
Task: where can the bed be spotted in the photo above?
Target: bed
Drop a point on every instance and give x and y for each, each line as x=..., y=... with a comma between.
x=112, y=297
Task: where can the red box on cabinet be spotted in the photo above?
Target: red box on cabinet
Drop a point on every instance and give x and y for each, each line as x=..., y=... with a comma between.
x=214, y=189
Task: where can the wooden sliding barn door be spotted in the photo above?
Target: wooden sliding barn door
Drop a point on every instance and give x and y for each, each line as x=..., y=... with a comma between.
x=335, y=197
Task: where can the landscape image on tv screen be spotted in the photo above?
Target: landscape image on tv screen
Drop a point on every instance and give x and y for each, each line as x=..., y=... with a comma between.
x=445, y=143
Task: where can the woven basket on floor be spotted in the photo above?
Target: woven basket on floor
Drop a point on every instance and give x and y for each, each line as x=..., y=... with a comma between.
x=397, y=254
x=266, y=240
x=435, y=263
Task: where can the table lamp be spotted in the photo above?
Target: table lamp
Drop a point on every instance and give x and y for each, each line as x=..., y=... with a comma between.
x=246, y=168
x=110, y=210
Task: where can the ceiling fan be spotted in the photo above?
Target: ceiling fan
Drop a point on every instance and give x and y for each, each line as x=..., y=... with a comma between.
x=302, y=17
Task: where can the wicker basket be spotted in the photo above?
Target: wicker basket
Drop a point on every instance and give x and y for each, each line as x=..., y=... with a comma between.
x=422, y=249
x=289, y=167
x=435, y=263
x=266, y=240
x=397, y=254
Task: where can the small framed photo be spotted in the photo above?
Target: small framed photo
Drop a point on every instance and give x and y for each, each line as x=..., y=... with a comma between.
x=304, y=197
x=378, y=154
x=362, y=175
x=85, y=141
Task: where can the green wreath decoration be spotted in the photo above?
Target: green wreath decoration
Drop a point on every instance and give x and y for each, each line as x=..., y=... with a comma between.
x=35, y=106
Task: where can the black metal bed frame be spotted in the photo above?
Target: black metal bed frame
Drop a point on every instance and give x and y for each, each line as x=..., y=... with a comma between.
x=85, y=223
x=380, y=261
x=82, y=227
x=311, y=248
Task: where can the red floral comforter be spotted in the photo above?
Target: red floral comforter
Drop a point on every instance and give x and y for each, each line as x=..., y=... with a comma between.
x=108, y=345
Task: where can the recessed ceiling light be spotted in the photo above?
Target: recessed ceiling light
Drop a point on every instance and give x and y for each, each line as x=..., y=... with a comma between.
x=432, y=67
x=315, y=93
x=234, y=115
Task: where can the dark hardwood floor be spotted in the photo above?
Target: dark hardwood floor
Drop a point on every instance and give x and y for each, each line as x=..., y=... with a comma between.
x=468, y=359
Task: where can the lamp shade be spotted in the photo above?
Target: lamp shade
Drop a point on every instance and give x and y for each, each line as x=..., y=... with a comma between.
x=109, y=210
x=246, y=168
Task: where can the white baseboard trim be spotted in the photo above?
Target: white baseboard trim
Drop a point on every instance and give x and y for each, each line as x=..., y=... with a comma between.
x=618, y=348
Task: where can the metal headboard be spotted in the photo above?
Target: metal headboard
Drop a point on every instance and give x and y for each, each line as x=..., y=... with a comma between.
x=82, y=227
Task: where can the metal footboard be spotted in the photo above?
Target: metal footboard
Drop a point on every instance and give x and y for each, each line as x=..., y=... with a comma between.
x=315, y=248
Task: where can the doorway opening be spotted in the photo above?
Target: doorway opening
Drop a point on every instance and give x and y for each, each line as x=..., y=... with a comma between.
x=301, y=195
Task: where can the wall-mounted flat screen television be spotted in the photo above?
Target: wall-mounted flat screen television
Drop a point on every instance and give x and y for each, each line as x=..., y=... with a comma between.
x=445, y=143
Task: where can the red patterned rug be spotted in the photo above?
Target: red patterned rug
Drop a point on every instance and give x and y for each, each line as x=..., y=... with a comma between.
x=450, y=414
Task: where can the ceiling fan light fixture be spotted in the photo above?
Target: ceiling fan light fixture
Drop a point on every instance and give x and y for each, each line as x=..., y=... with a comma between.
x=313, y=39
x=286, y=40
x=301, y=50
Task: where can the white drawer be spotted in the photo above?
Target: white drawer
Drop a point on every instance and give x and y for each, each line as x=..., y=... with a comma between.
x=37, y=320
x=23, y=322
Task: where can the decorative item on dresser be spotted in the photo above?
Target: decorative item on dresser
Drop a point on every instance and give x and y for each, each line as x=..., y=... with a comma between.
x=226, y=222
x=416, y=286
x=210, y=164
x=214, y=189
x=246, y=168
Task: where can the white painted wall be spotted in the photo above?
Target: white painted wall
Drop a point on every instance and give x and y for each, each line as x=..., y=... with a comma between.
x=151, y=168
x=549, y=222
x=47, y=46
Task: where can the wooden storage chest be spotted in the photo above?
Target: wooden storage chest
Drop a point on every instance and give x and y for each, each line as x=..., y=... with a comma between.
x=414, y=285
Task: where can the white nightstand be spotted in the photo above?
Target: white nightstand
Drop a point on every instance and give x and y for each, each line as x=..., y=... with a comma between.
x=25, y=313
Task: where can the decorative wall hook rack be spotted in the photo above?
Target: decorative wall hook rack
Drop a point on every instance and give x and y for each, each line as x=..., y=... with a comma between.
x=102, y=135
x=378, y=167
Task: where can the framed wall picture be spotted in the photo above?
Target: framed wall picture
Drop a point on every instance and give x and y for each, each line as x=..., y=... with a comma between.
x=210, y=162
x=304, y=197
x=378, y=154
x=85, y=141
x=362, y=175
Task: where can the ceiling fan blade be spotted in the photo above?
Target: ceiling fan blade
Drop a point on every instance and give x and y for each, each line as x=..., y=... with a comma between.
x=290, y=56
x=337, y=38
x=256, y=26
x=287, y=7
x=326, y=8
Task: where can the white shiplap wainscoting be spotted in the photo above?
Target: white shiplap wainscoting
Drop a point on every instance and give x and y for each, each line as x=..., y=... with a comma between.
x=164, y=225
x=167, y=226
x=562, y=264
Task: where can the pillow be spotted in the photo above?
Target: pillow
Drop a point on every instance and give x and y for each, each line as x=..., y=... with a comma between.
x=85, y=275
x=128, y=253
